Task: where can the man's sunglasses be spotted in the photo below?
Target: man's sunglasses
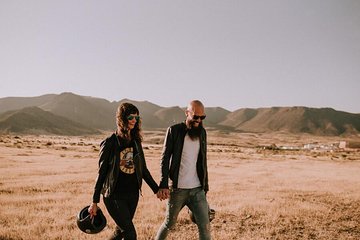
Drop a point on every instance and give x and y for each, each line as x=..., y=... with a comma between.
x=130, y=117
x=196, y=117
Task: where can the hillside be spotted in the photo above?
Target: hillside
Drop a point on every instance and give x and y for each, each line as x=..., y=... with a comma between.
x=81, y=110
x=169, y=116
x=33, y=120
x=98, y=113
x=322, y=121
x=13, y=103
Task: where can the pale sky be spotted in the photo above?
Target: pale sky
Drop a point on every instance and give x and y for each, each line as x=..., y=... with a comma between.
x=231, y=54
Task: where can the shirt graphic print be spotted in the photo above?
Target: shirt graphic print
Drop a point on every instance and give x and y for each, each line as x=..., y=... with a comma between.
x=127, y=161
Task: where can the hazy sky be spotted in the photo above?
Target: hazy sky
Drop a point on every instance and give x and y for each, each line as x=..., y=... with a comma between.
x=231, y=54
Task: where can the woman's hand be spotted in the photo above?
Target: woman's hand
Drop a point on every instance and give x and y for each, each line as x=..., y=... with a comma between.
x=93, y=209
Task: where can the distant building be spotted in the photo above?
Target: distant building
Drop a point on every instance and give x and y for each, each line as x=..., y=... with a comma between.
x=342, y=144
x=322, y=147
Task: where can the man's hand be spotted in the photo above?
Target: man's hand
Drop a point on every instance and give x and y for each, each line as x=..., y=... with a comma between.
x=163, y=194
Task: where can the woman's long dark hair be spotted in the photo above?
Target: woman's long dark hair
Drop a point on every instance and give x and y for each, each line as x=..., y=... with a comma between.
x=123, y=111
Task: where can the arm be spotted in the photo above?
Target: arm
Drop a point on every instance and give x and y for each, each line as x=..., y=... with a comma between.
x=206, y=187
x=146, y=175
x=150, y=180
x=165, y=159
x=104, y=155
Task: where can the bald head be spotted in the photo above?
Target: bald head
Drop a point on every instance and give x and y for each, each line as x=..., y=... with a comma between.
x=195, y=105
x=195, y=113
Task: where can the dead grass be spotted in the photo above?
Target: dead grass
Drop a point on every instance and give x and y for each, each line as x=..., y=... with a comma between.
x=256, y=194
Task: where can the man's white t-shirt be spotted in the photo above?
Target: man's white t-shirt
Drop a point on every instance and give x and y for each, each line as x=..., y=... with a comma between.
x=188, y=177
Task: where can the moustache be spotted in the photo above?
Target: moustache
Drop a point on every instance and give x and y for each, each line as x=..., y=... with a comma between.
x=194, y=121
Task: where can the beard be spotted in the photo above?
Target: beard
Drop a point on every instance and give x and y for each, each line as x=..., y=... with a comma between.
x=193, y=131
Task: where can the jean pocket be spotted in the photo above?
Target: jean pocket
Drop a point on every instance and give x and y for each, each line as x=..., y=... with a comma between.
x=175, y=190
x=200, y=195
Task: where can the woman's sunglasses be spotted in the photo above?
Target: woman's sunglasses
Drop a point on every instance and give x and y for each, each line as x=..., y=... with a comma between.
x=196, y=117
x=130, y=117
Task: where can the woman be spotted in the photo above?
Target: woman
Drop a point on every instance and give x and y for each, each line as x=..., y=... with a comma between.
x=122, y=167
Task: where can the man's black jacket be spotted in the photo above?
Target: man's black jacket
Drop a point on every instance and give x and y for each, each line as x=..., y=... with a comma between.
x=109, y=168
x=171, y=157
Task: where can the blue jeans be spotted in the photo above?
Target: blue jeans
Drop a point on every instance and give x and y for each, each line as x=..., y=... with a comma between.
x=195, y=200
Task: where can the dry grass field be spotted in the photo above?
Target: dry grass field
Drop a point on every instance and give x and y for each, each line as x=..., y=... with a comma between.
x=258, y=193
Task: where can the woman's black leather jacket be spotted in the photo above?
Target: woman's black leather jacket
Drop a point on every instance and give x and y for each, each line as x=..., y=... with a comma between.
x=109, y=168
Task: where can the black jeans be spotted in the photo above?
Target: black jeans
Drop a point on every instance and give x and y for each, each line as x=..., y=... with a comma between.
x=122, y=209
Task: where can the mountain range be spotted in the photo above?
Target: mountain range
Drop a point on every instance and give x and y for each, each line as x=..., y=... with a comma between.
x=71, y=114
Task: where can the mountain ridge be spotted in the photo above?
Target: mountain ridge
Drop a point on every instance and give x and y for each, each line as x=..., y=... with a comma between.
x=93, y=113
x=34, y=120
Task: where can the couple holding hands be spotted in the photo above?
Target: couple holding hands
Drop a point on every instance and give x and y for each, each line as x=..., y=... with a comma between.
x=122, y=167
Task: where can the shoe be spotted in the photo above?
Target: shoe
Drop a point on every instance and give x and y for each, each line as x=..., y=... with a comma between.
x=117, y=235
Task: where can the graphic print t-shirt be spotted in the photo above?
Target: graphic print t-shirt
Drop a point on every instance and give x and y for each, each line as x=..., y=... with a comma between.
x=127, y=181
x=127, y=161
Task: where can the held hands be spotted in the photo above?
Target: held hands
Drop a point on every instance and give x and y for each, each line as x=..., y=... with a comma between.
x=163, y=194
x=93, y=209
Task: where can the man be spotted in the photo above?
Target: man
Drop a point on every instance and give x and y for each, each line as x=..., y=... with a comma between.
x=184, y=162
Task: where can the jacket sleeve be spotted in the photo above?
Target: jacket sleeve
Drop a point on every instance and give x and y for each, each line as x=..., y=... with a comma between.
x=147, y=175
x=104, y=155
x=149, y=179
x=206, y=187
x=165, y=159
